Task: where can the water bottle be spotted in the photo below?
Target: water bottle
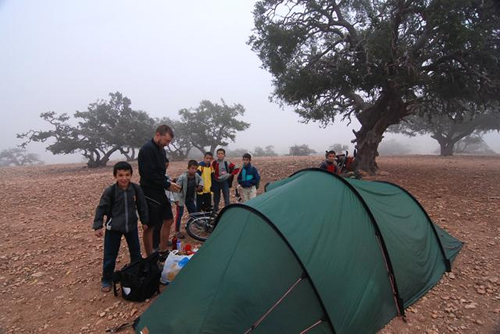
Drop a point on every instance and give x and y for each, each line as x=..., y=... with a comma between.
x=179, y=245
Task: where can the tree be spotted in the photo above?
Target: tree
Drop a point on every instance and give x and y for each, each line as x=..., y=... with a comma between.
x=269, y=151
x=132, y=131
x=376, y=60
x=473, y=144
x=301, y=150
x=339, y=148
x=212, y=125
x=259, y=152
x=105, y=128
x=452, y=122
x=18, y=157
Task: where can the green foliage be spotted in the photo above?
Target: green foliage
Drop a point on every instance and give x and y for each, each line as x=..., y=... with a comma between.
x=212, y=125
x=301, y=150
x=18, y=157
x=377, y=60
x=449, y=122
x=106, y=127
x=473, y=144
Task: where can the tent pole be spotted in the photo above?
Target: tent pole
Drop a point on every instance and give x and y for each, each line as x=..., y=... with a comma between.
x=312, y=326
x=257, y=323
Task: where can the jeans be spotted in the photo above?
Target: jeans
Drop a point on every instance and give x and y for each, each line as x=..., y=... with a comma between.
x=112, y=240
x=218, y=187
x=191, y=207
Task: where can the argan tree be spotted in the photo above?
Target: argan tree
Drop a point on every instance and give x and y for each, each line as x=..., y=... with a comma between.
x=212, y=125
x=376, y=60
x=103, y=129
x=449, y=122
x=18, y=157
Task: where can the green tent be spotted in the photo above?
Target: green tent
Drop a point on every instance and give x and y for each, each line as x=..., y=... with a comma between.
x=316, y=253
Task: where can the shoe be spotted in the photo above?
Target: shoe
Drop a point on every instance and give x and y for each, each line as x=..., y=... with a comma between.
x=105, y=287
x=180, y=235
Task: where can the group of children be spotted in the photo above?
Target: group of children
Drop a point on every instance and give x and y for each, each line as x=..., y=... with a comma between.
x=213, y=176
x=120, y=201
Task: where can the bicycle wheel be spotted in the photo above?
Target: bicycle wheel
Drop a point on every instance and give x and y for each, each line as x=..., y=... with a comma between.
x=200, y=228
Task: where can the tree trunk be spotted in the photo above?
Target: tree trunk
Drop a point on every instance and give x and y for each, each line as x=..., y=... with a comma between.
x=446, y=149
x=388, y=110
x=101, y=162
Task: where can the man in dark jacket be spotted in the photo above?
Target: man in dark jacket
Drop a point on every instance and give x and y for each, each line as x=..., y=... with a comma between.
x=152, y=169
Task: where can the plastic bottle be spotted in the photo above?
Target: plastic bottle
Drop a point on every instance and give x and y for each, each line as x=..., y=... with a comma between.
x=179, y=245
x=174, y=242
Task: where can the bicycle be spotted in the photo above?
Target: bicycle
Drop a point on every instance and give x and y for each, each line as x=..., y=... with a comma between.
x=201, y=225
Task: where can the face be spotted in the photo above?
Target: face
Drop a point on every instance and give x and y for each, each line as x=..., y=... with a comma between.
x=330, y=157
x=164, y=140
x=123, y=178
x=192, y=170
x=207, y=159
x=246, y=161
x=220, y=155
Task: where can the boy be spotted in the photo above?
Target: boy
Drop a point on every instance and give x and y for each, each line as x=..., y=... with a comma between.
x=329, y=164
x=248, y=178
x=119, y=203
x=190, y=183
x=224, y=172
x=205, y=170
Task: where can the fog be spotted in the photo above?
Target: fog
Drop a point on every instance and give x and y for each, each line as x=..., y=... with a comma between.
x=60, y=56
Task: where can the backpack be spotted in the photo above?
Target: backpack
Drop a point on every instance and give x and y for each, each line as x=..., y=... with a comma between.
x=138, y=280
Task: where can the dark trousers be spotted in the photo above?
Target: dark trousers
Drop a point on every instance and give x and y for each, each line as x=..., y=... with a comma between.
x=156, y=235
x=219, y=187
x=112, y=240
x=191, y=207
x=204, y=202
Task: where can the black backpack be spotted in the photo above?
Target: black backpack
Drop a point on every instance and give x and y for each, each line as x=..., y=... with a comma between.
x=139, y=280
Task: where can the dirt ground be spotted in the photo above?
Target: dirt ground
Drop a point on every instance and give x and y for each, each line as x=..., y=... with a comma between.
x=50, y=261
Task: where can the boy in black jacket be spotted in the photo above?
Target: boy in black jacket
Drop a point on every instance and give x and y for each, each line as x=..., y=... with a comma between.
x=119, y=203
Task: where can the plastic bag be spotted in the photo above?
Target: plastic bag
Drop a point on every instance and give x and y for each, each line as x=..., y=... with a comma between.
x=173, y=265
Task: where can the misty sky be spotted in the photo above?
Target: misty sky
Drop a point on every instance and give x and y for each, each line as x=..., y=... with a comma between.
x=164, y=55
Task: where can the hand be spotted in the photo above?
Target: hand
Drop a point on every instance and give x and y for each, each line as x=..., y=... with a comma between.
x=99, y=233
x=200, y=188
x=144, y=227
x=174, y=187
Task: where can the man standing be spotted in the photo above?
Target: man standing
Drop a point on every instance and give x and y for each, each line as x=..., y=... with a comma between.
x=152, y=159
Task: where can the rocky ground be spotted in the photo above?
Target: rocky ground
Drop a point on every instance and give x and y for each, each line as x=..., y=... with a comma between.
x=50, y=261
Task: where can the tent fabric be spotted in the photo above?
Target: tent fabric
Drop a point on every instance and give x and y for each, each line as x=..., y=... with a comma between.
x=315, y=253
